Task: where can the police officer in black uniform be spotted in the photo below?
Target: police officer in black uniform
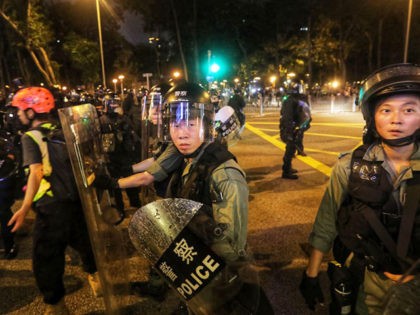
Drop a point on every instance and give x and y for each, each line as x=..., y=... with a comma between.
x=121, y=151
x=290, y=132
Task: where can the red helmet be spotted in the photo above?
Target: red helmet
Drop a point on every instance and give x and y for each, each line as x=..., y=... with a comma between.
x=39, y=99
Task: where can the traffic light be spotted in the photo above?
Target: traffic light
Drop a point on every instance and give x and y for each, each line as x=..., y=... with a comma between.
x=214, y=67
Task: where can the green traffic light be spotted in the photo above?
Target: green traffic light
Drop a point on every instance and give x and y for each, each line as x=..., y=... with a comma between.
x=214, y=68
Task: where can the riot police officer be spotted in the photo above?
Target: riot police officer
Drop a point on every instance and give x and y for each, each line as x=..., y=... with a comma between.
x=211, y=175
x=291, y=129
x=237, y=102
x=371, y=201
x=121, y=149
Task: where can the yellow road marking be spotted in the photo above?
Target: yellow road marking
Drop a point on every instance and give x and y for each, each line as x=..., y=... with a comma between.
x=330, y=135
x=345, y=125
x=316, y=150
x=315, y=134
x=305, y=159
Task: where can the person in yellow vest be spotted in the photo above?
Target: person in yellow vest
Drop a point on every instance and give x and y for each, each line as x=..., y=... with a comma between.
x=52, y=193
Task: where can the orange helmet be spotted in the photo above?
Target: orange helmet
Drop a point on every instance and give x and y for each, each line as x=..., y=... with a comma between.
x=39, y=99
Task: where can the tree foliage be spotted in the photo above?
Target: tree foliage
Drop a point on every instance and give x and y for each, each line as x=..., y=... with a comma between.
x=57, y=41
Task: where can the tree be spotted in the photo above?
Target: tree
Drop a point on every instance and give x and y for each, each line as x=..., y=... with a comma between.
x=33, y=32
x=83, y=56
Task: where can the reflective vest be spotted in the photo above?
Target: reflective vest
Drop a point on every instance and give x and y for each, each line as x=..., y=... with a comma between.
x=38, y=137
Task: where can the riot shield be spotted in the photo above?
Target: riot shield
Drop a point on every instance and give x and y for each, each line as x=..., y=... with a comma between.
x=82, y=133
x=188, y=249
x=149, y=143
x=144, y=131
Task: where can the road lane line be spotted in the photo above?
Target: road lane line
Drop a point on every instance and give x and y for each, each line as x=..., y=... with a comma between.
x=321, y=167
x=314, y=134
x=330, y=135
x=346, y=125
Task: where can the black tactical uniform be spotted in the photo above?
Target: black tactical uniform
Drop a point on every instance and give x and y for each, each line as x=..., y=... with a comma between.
x=290, y=130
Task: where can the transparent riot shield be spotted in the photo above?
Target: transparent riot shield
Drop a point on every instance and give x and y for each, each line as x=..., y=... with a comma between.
x=149, y=146
x=145, y=153
x=83, y=138
x=191, y=253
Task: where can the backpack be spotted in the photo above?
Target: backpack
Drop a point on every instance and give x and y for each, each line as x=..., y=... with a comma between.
x=56, y=162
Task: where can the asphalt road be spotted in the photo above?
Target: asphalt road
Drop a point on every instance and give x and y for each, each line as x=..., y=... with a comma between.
x=282, y=211
x=280, y=218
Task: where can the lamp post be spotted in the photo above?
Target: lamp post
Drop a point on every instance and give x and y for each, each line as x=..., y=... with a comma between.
x=98, y=14
x=115, y=85
x=154, y=41
x=121, y=77
x=407, y=32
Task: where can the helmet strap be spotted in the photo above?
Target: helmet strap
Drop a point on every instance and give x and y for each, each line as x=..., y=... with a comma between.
x=199, y=151
x=400, y=142
x=403, y=141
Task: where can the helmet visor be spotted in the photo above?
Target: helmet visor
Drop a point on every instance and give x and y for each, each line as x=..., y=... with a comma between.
x=195, y=118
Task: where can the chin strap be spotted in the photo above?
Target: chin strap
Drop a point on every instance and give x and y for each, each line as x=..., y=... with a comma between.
x=197, y=152
x=402, y=141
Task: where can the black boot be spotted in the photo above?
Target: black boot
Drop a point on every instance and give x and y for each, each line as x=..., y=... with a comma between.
x=11, y=253
x=301, y=152
x=289, y=175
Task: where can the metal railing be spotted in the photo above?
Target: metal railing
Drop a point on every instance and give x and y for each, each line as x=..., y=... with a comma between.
x=329, y=103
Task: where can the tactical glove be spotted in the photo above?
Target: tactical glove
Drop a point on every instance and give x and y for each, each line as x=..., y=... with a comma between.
x=311, y=291
x=104, y=181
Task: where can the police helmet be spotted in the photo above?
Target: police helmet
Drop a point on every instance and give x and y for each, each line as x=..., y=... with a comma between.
x=402, y=78
x=295, y=86
x=39, y=99
x=112, y=104
x=227, y=125
x=186, y=102
x=387, y=81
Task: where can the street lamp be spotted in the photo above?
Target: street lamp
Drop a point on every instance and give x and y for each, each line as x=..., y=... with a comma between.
x=121, y=77
x=273, y=79
x=115, y=85
x=176, y=74
x=154, y=41
x=98, y=14
x=236, y=80
x=407, y=32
